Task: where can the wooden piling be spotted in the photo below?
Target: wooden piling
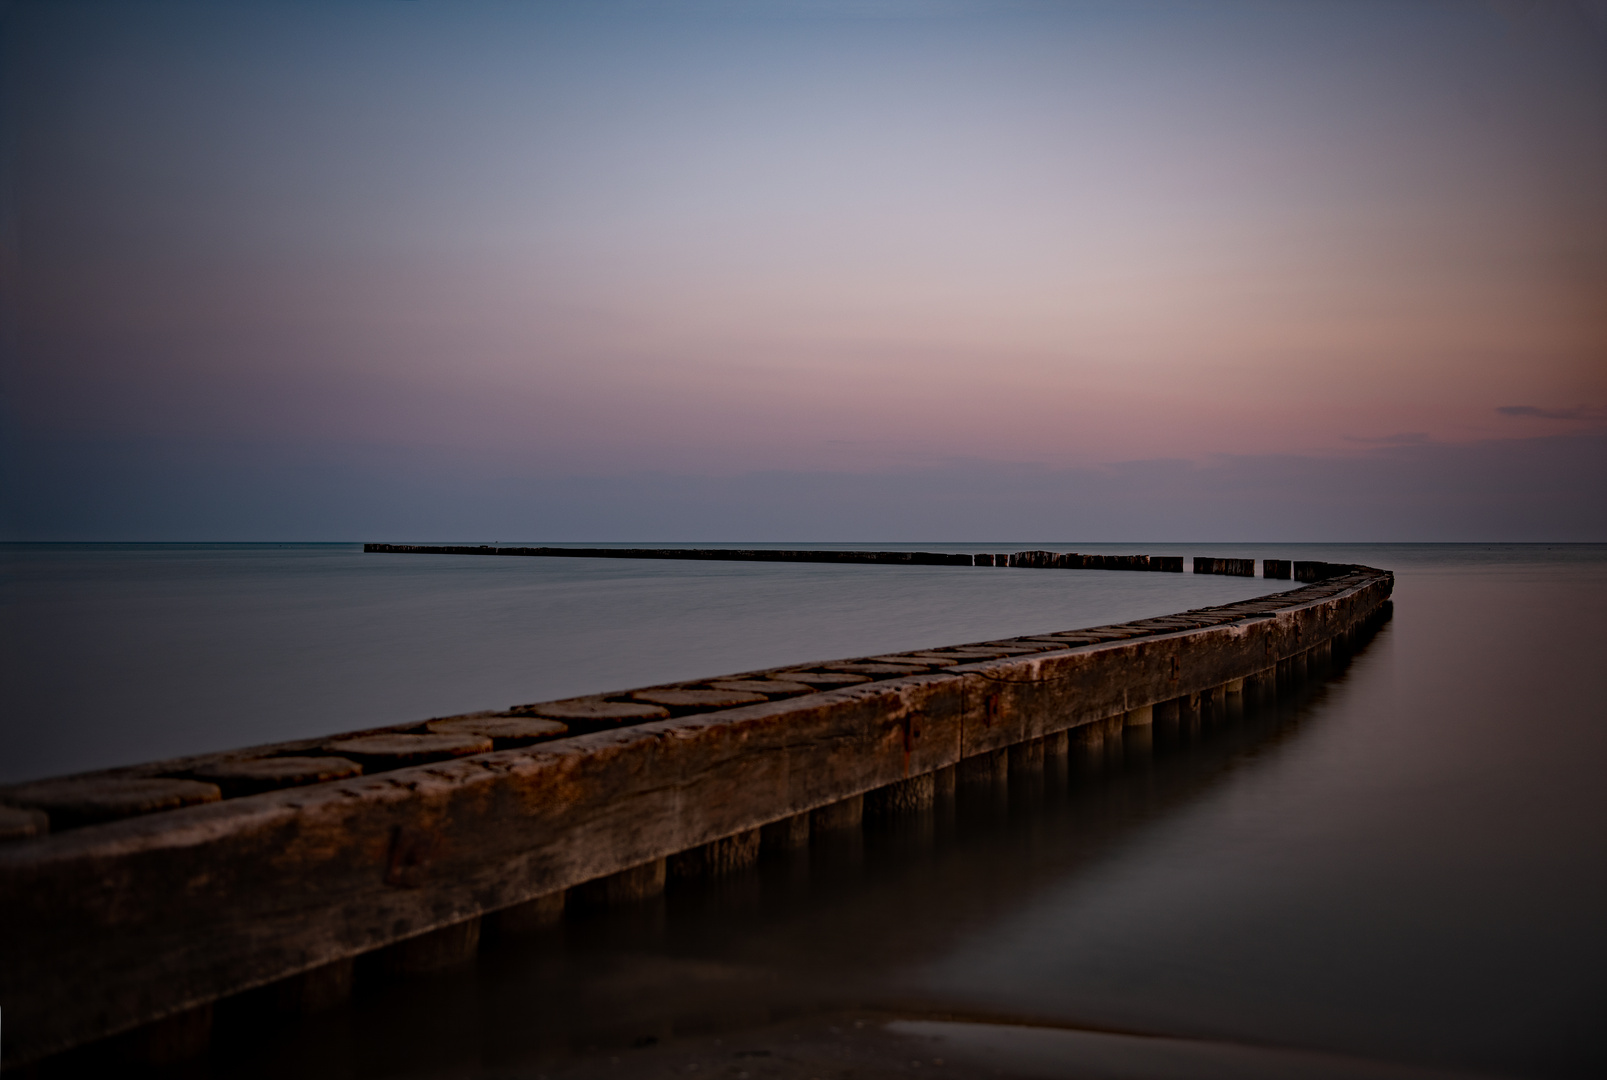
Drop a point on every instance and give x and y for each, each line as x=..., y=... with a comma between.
x=840, y=816
x=1087, y=742
x=1025, y=758
x=18, y=823
x=630, y=886
x=788, y=834
x=435, y=950
x=368, y=862
x=988, y=769
x=717, y=857
x=174, y=1039
x=327, y=986
x=532, y=915
x=1056, y=751
x=915, y=795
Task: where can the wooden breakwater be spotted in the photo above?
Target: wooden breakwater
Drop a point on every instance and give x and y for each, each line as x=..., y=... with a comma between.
x=1303, y=570
x=1066, y=560
x=134, y=898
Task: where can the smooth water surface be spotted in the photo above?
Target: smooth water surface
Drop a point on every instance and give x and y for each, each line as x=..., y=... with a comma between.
x=1405, y=863
x=116, y=654
x=1419, y=875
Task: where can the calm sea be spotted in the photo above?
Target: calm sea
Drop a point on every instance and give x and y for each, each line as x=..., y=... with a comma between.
x=1404, y=864
x=115, y=654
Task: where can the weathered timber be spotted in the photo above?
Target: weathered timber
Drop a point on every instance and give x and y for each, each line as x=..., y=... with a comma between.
x=1069, y=560
x=379, y=752
x=1026, y=757
x=317, y=990
x=175, y=1038
x=987, y=769
x=532, y=915
x=631, y=885
x=248, y=776
x=121, y=923
x=769, y=688
x=1234, y=567
x=504, y=732
x=435, y=950
x=843, y=814
x=79, y=801
x=590, y=710
x=717, y=857
x=906, y=558
x=1056, y=747
x=788, y=834
x=682, y=701
x=822, y=680
x=19, y=823
x=904, y=796
x=1143, y=716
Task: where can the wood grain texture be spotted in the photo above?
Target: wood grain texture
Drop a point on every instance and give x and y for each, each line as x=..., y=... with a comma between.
x=119, y=924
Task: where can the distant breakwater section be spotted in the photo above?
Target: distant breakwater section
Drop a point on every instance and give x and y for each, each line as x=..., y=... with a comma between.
x=1300, y=570
x=139, y=896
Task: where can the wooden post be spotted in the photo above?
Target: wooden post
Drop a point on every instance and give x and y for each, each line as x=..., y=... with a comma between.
x=717, y=857
x=788, y=834
x=1025, y=759
x=458, y=837
x=1056, y=755
x=839, y=816
x=181, y=1037
x=318, y=989
x=989, y=768
x=914, y=795
x=532, y=915
x=436, y=950
x=626, y=887
x=1261, y=687
x=1088, y=749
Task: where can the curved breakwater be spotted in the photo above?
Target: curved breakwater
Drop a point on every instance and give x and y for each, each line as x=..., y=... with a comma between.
x=286, y=864
x=1300, y=570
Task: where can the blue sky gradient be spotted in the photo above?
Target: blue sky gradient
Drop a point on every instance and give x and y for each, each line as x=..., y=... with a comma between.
x=820, y=271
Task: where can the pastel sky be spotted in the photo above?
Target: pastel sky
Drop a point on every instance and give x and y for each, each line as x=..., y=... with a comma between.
x=327, y=270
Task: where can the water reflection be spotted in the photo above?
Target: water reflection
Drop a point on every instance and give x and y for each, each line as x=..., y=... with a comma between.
x=837, y=924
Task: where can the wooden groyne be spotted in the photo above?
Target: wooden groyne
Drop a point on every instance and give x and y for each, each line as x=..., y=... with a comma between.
x=134, y=898
x=1068, y=560
x=1303, y=570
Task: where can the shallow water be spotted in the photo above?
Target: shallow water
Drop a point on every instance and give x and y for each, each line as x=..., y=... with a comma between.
x=1405, y=863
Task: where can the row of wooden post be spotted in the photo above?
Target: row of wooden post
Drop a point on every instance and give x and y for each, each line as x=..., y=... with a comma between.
x=1091, y=747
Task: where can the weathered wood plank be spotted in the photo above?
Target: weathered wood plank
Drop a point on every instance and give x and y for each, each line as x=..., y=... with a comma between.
x=119, y=924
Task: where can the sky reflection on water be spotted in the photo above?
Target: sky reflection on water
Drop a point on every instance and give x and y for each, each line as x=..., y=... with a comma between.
x=1403, y=864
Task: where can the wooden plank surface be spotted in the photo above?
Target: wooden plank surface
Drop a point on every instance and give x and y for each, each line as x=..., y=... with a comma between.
x=119, y=924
